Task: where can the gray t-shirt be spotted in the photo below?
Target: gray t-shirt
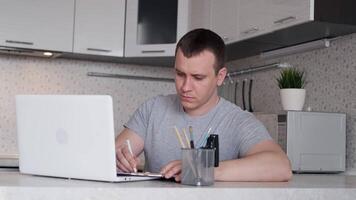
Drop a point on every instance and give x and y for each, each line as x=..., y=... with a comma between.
x=154, y=122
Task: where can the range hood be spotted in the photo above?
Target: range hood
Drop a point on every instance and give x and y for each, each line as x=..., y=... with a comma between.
x=28, y=52
x=331, y=19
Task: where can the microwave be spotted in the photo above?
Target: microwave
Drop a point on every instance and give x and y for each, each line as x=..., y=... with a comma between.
x=313, y=141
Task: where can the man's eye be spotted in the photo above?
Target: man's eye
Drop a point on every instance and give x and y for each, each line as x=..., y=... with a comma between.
x=199, y=77
x=179, y=74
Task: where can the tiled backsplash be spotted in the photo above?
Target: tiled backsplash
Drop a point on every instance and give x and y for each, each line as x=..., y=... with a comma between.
x=330, y=76
x=29, y=75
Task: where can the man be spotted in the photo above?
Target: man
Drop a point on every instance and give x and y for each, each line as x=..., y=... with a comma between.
x=247, y=152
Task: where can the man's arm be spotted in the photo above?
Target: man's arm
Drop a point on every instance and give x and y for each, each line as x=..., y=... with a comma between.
x=265, y=161
x=124, y=160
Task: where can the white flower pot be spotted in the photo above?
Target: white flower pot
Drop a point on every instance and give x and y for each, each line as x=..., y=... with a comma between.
x=292, y=98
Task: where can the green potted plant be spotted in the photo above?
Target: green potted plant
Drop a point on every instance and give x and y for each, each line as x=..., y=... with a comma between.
x=291, y=82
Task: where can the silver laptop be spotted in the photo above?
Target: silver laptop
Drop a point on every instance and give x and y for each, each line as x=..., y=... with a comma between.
x=70, y=136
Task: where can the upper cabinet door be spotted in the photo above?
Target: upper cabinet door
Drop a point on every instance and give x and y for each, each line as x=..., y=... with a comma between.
x=99, y=27
x=285, y=13
x=224, y=19
x=37, y=24
x=253, y=18
x=154, y=27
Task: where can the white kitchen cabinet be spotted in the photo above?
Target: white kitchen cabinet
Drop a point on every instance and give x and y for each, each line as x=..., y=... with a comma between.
x=224, y=19
x=253, y=18
x=99, y=27
x=263, y=16
x=285, y=13
x=154, y=27
x=37, y=24
x=236, y=20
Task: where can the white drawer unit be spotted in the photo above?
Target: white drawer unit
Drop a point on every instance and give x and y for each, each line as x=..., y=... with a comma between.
x=316, y=142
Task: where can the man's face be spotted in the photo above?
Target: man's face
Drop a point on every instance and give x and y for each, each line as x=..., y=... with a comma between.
x=196, y=81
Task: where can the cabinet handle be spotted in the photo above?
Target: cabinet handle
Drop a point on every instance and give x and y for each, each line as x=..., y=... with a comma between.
x=285, y=20
x=18, y=42
x=226, y=39
x=250, y=31
x=100, y=50
x=152, y=51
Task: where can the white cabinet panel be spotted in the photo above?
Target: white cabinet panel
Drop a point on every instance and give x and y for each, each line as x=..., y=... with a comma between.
x=99, y=27
x=258, y=17
x=154, y=27
x=224, y=19
x=285, y=13
x=253, y=18
x=37, y=24
x=199, y=14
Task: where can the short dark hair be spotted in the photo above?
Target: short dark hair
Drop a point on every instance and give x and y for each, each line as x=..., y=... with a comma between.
x=198, y=40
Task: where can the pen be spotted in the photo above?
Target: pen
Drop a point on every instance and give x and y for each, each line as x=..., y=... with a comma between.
x=130, y=150
x=213, y=143
x=186, y=138
x=191, y=137
x=203, y=138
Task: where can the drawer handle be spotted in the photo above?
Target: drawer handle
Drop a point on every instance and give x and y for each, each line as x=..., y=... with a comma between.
x=99, y=50
x=226, y=39
x=153, y=51
x=250, y=31
x=285, y=20
x=18, y=42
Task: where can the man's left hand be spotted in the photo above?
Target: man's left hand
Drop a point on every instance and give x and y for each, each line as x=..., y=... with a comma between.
x=172, y=169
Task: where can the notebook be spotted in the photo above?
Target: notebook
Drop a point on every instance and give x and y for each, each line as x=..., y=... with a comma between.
x=69, y=136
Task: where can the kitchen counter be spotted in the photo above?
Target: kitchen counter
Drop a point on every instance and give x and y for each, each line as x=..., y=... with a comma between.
x=15, y=186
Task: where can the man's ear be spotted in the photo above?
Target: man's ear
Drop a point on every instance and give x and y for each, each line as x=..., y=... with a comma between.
x=221, y=75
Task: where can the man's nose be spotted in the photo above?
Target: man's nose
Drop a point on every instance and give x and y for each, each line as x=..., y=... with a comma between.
x=187, y=84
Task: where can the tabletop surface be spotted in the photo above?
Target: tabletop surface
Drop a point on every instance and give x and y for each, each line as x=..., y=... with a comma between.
x=14, y=185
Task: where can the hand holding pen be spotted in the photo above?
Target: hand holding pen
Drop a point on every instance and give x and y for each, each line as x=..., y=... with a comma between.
x=126, y=160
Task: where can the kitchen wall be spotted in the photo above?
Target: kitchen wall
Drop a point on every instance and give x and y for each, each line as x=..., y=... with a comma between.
x=31, y=75
x=331, y=79
x=331, y=76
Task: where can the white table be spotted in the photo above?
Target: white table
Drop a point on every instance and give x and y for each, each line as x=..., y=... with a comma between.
x=15, y=186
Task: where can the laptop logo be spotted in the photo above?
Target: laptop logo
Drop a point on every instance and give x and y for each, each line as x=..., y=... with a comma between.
x=62, y=136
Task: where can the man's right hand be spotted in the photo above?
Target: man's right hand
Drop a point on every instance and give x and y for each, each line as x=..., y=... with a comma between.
x=125, y=161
